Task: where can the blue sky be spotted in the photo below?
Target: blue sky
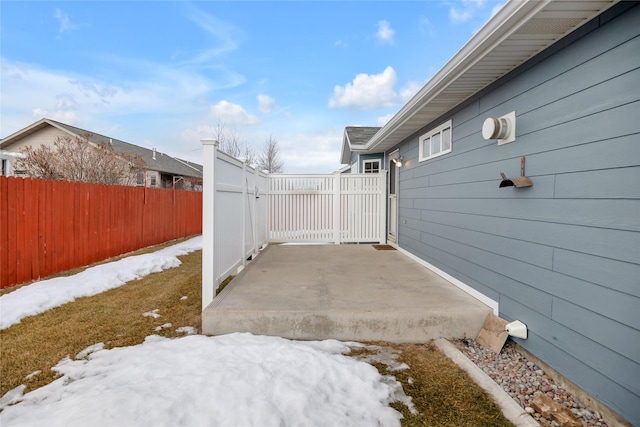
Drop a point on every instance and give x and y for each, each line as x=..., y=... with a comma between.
x=165, y=74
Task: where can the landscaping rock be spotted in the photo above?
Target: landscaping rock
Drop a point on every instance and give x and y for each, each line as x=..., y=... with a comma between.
x=523, y=380
x=550, y=409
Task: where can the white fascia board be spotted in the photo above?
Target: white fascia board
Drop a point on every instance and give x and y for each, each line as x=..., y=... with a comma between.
x=10, y=155
x=5, y=142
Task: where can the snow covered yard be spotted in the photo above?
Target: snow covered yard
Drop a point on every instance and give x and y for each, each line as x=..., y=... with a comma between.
x=237, y=379
x=231, y=380
x=130, y=355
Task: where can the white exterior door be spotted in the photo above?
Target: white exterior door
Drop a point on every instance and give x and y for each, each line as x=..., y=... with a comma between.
x=392, y=217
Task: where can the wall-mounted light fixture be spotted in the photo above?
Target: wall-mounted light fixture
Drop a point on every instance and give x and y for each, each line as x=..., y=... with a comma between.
x=502, y=128
x=397, y=161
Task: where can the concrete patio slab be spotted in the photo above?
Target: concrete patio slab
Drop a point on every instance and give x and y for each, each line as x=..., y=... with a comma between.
x=345, y=292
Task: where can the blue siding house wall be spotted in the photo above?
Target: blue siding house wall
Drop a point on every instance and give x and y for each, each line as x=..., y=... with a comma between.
x=562, y=256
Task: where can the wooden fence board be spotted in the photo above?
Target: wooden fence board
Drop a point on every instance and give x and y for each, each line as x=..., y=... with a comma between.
x=21, y=235
x=51, y=226
x=32, y=223
x=4, y=255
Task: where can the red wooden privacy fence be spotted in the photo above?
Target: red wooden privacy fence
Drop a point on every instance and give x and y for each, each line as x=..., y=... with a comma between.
x=52, y=226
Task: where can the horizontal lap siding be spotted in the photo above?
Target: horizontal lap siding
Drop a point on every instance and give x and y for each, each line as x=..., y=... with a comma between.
x=563, y=256
x=51, y=226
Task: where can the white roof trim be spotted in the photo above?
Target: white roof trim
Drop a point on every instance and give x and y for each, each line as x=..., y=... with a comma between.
x=10, y=155
x=531, y=25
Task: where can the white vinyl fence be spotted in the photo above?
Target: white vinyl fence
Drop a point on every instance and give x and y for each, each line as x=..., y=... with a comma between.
x=234, y=216
x=243, y=209
x=337, y=208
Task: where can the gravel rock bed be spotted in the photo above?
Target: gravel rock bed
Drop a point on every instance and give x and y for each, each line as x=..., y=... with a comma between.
x=523, y=379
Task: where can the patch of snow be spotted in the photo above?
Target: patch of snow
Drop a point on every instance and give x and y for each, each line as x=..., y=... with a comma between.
x=91, y=349
x=12, y=396
x=32, y=374
x=153, y=313
x=236, y=379
x=387, y=356
x=400, y=367
x=163, y=326
x=41, y=296
x=189, y=330
x=184, y=297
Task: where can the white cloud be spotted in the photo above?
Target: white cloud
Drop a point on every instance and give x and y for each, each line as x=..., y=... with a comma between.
x=232, y=114
x=32, y=92
x=457, y=15
x=68, y=117
x=265, y=103
x=409, y=90
x=311, y=152
x=225, y=34
x=466, y=11
x=385, y=32
x=89, y=88
x=367, y=91
x=425, y=26
x=383, y=120
x=65, y=22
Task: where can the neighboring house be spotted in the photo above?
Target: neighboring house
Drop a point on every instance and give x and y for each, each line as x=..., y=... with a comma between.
x=159, y=170
x=6, y=157
x=356, y=137
x=562, y=255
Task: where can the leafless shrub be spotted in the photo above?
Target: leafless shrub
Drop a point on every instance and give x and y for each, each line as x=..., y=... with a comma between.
x=77, y=159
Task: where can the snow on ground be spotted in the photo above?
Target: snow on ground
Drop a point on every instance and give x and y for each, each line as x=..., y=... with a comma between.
x=47, y=294
x=230, y=380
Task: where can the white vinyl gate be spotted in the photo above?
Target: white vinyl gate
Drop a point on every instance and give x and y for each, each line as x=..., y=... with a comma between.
x=337, y=208
x=244, y=208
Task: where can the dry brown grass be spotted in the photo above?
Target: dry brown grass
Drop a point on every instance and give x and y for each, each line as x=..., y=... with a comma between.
x=114, y=317
x=115, y=258
x=443, y=394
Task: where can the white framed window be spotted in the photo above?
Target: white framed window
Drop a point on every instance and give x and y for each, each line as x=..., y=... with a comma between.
x=371, y=166
x=436, y=142
x=153, y=181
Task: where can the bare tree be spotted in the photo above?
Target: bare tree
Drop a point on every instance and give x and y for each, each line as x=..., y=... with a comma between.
x=230, y=142
x=270, y=156
x=76, y=159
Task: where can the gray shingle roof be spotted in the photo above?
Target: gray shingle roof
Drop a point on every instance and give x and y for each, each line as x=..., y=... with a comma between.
x=162, y=163
x=360, y=135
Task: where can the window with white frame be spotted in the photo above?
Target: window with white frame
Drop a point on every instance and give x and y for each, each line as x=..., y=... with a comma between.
x=371, y=166
x=436, y=142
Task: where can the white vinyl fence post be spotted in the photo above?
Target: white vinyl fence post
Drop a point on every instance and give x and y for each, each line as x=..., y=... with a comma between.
x=244, y=184
x=254, y=211
x=382, y=191
x=336, y=209
x=209, y=151
x=267, y=207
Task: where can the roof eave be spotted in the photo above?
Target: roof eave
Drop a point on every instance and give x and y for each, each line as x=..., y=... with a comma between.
x=507, y=21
